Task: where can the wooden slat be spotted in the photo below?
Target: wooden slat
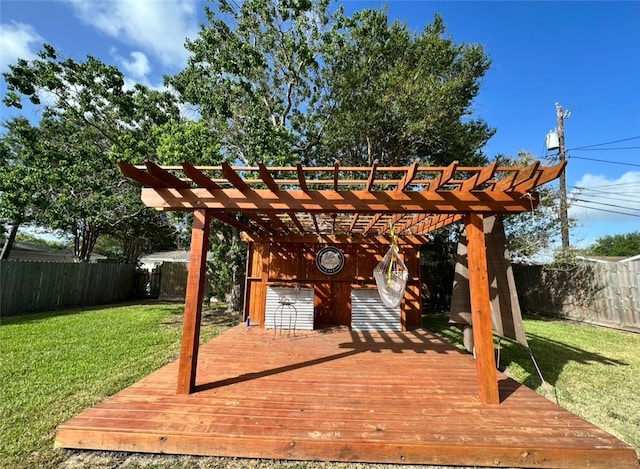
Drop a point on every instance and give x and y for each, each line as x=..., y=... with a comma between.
x=482, y=177
x=444, y=177
x=303, y=186
x=368, y=187
x=549, y=174
x=301, y=178
x=234, y=178
x=166, y=177
x=409, y=175
x=522, y=176
x=140, y=176
x=437, y=222
x=336, y=175
x=198, y=177
x=266, y=177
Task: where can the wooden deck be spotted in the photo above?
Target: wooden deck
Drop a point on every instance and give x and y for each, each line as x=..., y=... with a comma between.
x=342, y=396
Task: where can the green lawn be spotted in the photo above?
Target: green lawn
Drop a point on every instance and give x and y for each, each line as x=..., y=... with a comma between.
x=591, y=371
x=54, y=365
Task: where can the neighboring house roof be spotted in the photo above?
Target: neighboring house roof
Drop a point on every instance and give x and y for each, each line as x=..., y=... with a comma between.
x=28, y=252
x=166, y=256
x=149, y=261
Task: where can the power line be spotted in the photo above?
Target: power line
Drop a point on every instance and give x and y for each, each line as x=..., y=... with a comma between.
x=623, y=192
x=606, y=205
x=604, y=161
x=617, y=186
x=604, y=143
x=626, y=199
x=605, y=149
x=605, y=210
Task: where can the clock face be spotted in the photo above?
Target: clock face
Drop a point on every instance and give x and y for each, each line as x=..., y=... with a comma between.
x=330, y=260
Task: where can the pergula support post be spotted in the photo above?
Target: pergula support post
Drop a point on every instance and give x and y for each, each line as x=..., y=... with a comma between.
x=481, y=310
x=193, y=302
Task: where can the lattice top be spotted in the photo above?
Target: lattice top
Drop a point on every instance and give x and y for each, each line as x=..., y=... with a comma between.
x=339, y=200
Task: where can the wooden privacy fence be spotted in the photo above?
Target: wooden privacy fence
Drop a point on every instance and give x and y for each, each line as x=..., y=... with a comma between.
x=607, y=294
x=29, y=287
x=173, y=281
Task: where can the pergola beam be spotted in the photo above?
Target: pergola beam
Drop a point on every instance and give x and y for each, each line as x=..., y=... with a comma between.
x=376, y=202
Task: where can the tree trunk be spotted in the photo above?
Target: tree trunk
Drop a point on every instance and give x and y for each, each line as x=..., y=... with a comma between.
x=8, y=243
x=84, y=240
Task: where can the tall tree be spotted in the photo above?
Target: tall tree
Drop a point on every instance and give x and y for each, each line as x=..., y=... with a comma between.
x=396, y=96
x=89, y=120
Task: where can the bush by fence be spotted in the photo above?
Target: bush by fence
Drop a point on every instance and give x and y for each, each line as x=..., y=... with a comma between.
x=607, y=294
x=29, y=287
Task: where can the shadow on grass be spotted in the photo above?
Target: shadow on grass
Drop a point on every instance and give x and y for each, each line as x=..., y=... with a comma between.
x=214, y=315
x=551, y=355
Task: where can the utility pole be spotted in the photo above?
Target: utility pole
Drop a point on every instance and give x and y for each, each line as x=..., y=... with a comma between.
x=564, y=219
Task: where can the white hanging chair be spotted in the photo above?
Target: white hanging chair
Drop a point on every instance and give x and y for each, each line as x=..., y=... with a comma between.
x=391, y=276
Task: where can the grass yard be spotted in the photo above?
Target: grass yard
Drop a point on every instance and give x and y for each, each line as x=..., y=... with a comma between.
x=55, y=365
x=591, y=371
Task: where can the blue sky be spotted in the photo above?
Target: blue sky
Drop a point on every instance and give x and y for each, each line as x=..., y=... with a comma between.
x=583, y=55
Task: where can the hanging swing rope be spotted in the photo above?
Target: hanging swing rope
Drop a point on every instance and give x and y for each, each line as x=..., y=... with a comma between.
x=391, y=274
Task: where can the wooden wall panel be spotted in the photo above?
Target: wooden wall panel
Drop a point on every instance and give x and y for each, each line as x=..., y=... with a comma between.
x=296, y=262
x=369, y=256
x=341, y=302
x=322, y=303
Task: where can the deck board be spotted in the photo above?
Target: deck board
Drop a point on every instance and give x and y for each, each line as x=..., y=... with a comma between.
x=344, y=396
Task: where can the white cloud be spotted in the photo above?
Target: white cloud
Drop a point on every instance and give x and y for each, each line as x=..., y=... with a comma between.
x=157, y=27
x=17, y=40
x=137, y=67
x=613, y=204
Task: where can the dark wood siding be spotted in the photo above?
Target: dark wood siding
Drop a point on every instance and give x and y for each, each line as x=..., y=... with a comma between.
x=295, y=263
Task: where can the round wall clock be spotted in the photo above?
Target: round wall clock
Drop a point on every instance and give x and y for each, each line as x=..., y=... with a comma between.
x=330, y=260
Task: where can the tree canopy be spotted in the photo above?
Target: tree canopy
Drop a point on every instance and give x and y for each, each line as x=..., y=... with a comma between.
x=62, y=172
x=396, y=96
x=292, y=80
x=619, y=245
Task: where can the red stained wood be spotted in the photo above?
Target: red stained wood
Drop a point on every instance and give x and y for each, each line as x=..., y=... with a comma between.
x=481, y=310
x=377, y=202
x=338, y=395
x=193, y=302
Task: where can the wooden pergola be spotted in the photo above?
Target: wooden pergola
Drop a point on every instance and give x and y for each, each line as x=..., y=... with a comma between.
x=339, y=204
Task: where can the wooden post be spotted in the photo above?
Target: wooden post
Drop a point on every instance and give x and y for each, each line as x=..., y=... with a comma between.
x=481, y=310
x=193, y=302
